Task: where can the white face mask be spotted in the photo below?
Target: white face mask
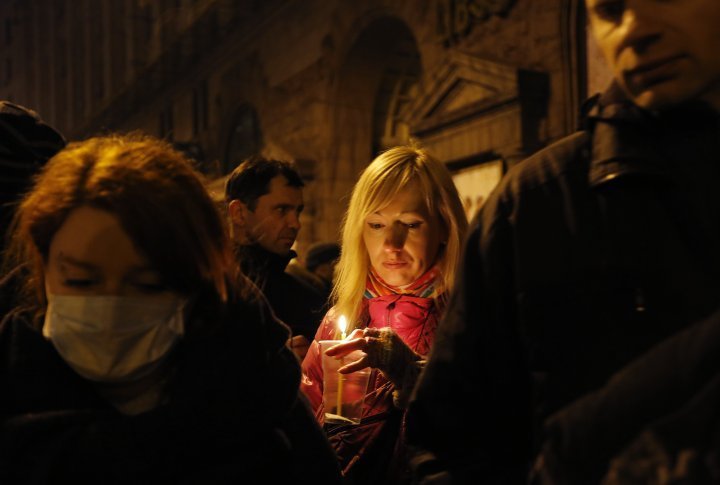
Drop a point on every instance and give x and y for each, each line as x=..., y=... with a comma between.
x=113, y=338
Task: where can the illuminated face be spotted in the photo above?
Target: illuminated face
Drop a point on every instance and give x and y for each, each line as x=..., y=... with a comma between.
x=661, y=52
x=91, y=254
x=275, y=222
x=402, y=238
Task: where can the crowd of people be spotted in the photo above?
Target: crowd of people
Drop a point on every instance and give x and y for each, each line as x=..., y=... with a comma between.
x=570, y=334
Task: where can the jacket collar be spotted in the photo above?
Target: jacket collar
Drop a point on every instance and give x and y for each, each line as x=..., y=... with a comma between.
x=257, y=261
x=630, y=141
x=390, y=299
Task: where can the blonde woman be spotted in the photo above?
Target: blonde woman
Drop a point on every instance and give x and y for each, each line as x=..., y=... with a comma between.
x=400, y=248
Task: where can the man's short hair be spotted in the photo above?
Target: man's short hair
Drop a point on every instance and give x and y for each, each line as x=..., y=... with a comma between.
x=251, y=179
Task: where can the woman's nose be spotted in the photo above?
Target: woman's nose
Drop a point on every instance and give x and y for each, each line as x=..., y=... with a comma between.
x=395, y=238
x=114, y=287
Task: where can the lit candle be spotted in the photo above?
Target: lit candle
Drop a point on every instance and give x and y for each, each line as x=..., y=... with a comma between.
x=342, y=325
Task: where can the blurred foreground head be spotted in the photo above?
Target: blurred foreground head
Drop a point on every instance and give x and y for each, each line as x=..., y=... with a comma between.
x=662, y=53
x=26, y=143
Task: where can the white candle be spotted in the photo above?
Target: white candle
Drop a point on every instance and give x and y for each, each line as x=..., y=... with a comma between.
x=342, y=325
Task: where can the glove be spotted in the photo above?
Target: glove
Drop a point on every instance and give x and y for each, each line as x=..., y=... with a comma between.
x=387, y=352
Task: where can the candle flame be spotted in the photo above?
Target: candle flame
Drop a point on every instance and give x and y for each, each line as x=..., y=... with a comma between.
x=342, y=324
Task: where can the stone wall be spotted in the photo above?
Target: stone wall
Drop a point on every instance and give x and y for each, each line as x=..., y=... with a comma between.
x=333, y=81
x=315, y=75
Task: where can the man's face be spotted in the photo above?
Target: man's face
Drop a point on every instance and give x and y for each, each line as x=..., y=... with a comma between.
x=661, y=52
x=275, y=222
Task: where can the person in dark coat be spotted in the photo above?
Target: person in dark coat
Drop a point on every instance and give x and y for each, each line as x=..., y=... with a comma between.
x=123, y=362
x=587, y=254
x=265, y=200
x=655, y=421
x=26, y=143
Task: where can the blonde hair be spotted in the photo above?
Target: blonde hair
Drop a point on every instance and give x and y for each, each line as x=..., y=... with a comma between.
x=379, y=183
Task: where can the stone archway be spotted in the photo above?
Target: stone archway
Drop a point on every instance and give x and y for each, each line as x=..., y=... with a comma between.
x=398, y=87
x=375, y=82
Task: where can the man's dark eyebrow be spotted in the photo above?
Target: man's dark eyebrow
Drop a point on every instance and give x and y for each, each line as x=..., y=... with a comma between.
x=289, y=206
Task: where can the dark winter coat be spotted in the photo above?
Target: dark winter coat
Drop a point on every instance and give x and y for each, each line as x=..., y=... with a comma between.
x=585, y=256
x=662, y=406
x=295, y=303
x=233, y=413
x=10, y=288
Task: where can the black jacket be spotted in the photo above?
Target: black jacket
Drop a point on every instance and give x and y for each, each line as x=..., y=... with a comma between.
x=10, y=289
x=665, y=403
x=301, y=307
x=586, y=255
x=233, y=414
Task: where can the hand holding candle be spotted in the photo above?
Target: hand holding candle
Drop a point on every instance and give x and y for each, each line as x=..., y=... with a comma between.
x=354, y=342
x=343, y=392
x=376, y=348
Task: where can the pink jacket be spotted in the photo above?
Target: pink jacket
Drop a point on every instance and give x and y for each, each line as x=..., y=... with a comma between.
x=414, y=319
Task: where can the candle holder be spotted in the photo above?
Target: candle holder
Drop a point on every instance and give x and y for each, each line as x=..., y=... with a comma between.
x=343, y=394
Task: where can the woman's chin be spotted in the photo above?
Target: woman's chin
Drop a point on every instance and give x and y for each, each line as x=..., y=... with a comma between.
x=397, y=280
